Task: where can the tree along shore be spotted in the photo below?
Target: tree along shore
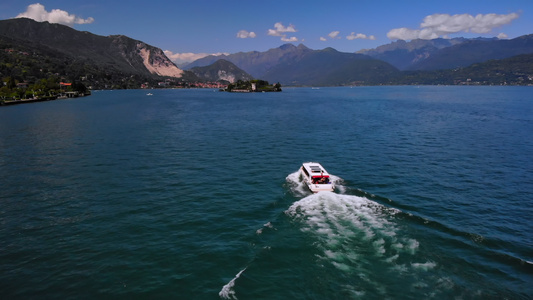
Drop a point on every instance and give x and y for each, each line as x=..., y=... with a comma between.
x=14, y=92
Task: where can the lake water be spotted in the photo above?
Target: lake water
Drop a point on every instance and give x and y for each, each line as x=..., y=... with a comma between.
x=194, y=194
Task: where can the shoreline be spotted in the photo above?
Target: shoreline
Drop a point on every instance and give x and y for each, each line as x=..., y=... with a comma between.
x=32, y=100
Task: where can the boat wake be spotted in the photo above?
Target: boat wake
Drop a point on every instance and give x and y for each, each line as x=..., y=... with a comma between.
x=359, y=238
x=227, y=291
x=352, y=237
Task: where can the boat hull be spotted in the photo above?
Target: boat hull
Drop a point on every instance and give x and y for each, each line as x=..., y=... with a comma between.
x=316, y=178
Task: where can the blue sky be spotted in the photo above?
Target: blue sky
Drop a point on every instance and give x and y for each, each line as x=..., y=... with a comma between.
x=188, y=28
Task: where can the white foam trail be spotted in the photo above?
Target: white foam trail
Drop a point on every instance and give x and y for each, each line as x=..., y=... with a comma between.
x=267, y=225
x=424, y=266
x=297, y=185
x=356, y=235
x=335, y=217
x=339, y=184
x=227, y=291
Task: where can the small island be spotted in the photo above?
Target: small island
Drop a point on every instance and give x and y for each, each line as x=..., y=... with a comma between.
x=252, y=86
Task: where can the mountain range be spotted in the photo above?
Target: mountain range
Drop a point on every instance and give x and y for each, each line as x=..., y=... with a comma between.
x=428, y=61
x=299, y=65
x=415, y=55
x=122, y=62
x=468, y=52
x=403, y=54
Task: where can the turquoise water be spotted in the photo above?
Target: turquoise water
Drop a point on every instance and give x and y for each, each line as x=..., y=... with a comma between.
x=193, y=194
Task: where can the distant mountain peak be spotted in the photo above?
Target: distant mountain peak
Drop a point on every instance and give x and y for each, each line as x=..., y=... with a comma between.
x=287, y=46
x=329, y=49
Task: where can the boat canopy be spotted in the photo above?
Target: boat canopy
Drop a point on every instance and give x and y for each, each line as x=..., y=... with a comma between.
x=314, y=170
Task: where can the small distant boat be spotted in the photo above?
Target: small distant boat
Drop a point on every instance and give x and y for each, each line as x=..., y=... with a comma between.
x=316, y=177
x=149, y=94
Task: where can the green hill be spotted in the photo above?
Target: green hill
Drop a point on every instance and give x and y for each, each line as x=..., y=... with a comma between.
x=516, y=70
x=221, y=70
x=33, y=50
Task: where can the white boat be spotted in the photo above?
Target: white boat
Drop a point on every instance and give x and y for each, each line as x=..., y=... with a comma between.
x=316, y=177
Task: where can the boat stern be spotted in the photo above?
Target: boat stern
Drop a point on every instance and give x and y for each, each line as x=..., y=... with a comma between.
x=315, y=188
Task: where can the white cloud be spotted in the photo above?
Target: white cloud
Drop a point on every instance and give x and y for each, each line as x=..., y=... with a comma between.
x=502, y=36
x=334, y=34
x=183, y=58
x=243, y=34
x=38, y=13
x=403, y=34
x=281, y=31
x=437, y=25
x=291, y=39
x=323, y=39
x=354, y=36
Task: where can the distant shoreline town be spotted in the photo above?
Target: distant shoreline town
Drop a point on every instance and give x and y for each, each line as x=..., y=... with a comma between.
x=252, y=86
